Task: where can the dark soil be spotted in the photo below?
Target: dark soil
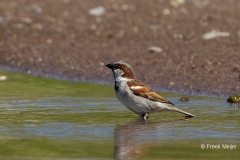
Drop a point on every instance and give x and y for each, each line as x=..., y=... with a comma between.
x=61, y=38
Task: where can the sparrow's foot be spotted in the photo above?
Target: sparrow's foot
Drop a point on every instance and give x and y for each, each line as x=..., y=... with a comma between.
x=145, y=116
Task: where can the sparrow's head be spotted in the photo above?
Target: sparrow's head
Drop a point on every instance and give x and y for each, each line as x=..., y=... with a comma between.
x=121, y=69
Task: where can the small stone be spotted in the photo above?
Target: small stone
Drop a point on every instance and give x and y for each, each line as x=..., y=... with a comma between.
x=38, y=26
x=214, y=34
x=3, y=78
x=184, y=99
x=121, y=33
x=234, y=99
x=37, y=9
x=169, y=27
x=49, y=41
x=135, y=30
x=166, y=11
x=124, y=7
x=97, y=11
x=193, y=66
x=26, y=20
x=155, y=49
x=18, y=25
x=101, y=63
x=177, y=3
x=93, y=27
x=39, y=59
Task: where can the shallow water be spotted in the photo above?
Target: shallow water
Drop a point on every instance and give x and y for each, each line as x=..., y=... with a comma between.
x=63, y=119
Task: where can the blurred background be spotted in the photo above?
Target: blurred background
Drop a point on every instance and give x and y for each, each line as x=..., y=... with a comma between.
x=182, y=45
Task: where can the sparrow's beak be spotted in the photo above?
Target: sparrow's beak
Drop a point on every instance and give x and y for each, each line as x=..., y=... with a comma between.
x=110, y=65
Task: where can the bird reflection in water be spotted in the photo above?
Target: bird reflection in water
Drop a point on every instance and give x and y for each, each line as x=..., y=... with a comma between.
x=132, y=140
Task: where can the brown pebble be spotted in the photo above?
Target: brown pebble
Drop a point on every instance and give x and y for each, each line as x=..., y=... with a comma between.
x=184, y=99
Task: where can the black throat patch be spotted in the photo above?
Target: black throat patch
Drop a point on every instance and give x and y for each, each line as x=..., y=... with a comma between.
x=117, y=84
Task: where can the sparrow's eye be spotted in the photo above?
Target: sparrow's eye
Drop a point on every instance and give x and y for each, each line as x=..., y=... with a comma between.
x=116, y=66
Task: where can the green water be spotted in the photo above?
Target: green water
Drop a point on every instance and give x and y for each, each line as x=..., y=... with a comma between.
x=45, y=119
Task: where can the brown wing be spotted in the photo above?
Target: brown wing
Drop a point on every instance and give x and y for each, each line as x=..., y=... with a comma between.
x=140, y=89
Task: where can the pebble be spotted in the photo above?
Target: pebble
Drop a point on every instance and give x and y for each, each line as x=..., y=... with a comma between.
x=37, y=26
x=98, y=11
x=26, y=20
x=37, y=9
x=177, y=3
x=184, y=99
x=155, y=49
x=234, y=99
x=124, y=7
x=49, y=41
x=3, y=78
x=166, y=11
x=214, y=34
x=18, y=25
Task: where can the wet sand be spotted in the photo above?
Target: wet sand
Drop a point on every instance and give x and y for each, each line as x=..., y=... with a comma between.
x=198, y=40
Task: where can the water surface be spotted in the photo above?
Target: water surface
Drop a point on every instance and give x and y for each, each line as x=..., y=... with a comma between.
x=46, y=118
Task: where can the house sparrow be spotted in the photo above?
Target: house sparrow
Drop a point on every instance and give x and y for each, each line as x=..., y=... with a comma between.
x=136, y=95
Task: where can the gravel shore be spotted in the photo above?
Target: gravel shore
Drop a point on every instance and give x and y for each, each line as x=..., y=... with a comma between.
x=190, y=46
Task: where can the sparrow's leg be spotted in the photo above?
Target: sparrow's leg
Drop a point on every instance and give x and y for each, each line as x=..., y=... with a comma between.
x=145, y=116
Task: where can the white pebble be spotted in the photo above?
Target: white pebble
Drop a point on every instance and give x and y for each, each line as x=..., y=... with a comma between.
x=166, y=11
x=177, y=3
x=98, y=11
x=155, y=49
x=214, y=34
x=3, y=78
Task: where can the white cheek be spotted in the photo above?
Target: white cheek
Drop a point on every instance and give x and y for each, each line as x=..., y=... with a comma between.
x=118, y=74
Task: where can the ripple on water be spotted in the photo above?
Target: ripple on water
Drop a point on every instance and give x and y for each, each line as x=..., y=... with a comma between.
x=59, y=130
x=59, y=104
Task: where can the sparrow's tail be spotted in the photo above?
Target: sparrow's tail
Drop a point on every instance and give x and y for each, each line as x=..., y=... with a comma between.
x=187, y=115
